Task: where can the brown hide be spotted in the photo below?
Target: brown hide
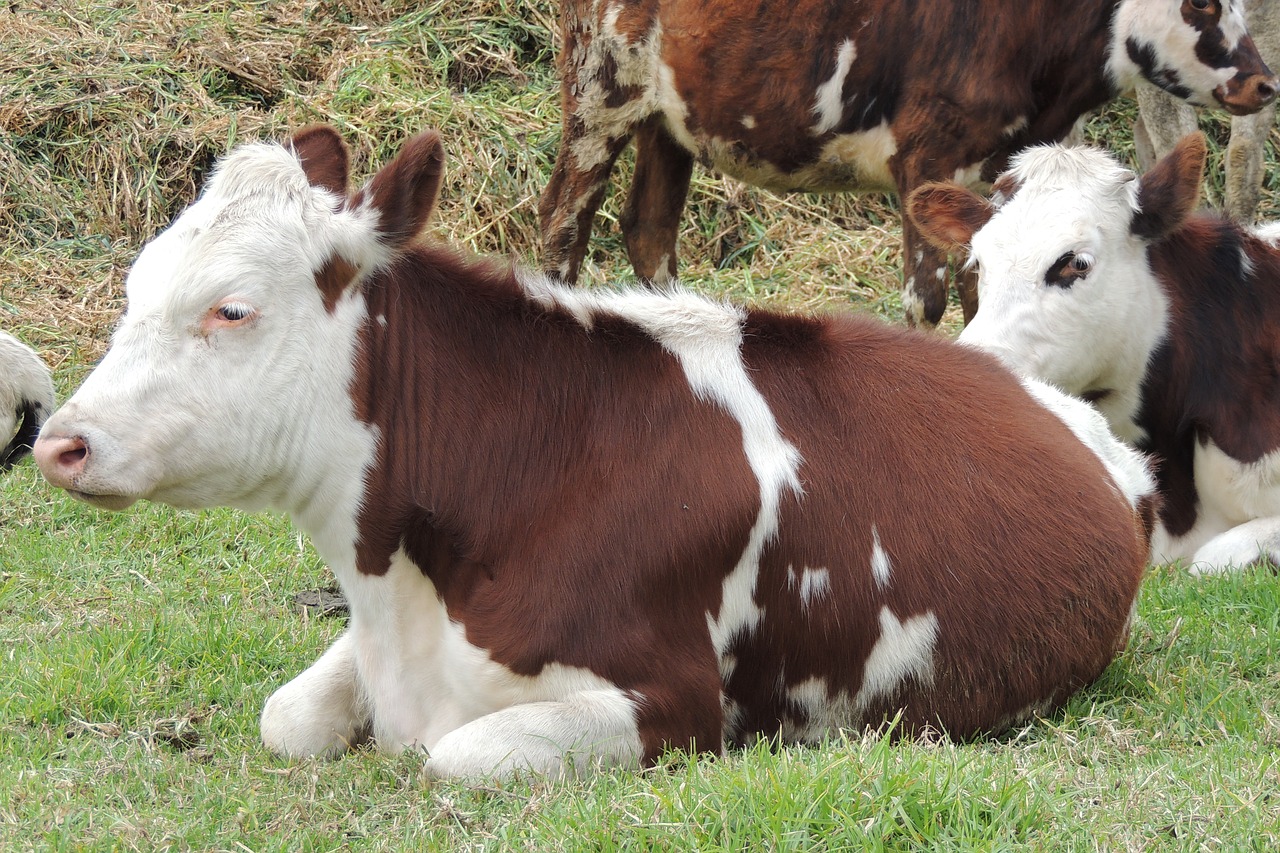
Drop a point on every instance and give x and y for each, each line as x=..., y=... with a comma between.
x=574, y=502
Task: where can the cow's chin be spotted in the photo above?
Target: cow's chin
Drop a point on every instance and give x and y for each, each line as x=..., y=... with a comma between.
x=115, y=503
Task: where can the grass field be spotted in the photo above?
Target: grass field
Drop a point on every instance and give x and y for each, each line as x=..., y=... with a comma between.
x=138, y=648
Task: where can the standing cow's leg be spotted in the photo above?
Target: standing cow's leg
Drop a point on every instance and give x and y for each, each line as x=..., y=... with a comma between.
x=321, y=712
x=651, y=219
x=924, y=265
x=573, y=195
x=1162, y=121
x=1245, y=163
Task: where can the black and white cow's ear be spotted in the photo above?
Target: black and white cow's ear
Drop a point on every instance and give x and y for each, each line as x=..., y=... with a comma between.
x=948, y=215
x=324, y=157
x=404, y=191
x=1168, y=192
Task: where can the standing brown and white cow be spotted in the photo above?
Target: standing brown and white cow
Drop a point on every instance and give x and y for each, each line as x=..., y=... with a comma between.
x=822, y=95
x=577, y=526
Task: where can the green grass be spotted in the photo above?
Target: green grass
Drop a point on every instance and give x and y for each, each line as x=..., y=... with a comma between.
x=136, y=650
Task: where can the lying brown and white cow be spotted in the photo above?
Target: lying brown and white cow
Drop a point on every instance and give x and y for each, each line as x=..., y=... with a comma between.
x=26, y=398
x=575, y=525
x=1110, y=288
x=823, y=95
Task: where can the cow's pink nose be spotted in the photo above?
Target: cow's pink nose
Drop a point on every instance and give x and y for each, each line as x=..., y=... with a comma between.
x=61, y=459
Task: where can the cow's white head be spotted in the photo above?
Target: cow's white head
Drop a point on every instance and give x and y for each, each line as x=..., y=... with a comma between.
x=1199, y=50
x=1065, y=290
x=227, y=381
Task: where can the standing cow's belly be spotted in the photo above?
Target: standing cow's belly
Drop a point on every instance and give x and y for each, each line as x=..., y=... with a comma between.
x=846, y=162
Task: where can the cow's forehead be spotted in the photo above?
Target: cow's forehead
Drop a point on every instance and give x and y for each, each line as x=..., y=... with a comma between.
x=1063, y=197
x=258, y=220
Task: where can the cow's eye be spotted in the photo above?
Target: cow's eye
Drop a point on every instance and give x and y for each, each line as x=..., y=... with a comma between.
x=234, y=312
x=1202, y=5
x=1069, y=269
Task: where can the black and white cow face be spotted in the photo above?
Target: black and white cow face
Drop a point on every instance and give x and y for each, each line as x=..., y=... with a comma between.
x=1198, y=50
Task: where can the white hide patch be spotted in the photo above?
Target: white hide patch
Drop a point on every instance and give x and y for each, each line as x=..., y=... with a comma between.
x=1237, y=514
x=1129, y=470
x=880, y=566
x=829, y=102
x=706, y=338
x=406, y=665
x=905, y=651
x=810, y=585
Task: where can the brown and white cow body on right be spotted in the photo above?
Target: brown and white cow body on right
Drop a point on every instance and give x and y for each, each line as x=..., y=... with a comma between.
x=1111, y=288
x=862, y=95
x=579, y=526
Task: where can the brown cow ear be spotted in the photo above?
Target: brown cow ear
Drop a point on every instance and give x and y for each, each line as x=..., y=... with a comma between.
x=948, y=215
x=1168, y=192
x=324, y=157
x=404, y=191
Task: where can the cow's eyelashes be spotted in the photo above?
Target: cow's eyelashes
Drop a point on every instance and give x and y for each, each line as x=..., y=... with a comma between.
x=1069, y=269
x=234, y=312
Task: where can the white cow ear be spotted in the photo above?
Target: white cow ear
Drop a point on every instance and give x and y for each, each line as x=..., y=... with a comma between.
x=324, y=157
x=1168, y=192
x=948, y=215
x=404, y=191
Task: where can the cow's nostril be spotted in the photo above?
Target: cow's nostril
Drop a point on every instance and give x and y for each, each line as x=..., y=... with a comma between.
x=73, y=458
x=1266, y=91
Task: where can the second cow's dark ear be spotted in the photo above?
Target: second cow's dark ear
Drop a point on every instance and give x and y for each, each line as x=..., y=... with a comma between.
x=1168, y=192
x=404, y=191
x=948, y=215
x=324, y=157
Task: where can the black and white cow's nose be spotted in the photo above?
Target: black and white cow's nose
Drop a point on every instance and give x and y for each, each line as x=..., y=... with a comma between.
x=61, y=458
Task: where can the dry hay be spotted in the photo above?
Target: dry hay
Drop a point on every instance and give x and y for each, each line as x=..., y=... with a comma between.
x=111, y=113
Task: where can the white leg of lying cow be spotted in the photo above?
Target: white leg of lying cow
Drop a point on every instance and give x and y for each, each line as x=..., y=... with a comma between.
x=26, y=398
x=1113, y=289
x=578, y=527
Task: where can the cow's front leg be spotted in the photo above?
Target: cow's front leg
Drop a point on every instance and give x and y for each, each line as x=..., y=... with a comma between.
x=924, y=279
x=551, y=739
x=1240, y=547
x=322, y=712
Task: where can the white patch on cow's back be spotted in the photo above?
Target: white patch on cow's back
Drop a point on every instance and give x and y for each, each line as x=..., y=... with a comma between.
x=880, y=565
x=706, y=338
x=1129, y=470
x=749, y=122
x=828, y=103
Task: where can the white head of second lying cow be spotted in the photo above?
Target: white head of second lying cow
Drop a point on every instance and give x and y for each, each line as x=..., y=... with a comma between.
x=1065, y=290
x=208, y=386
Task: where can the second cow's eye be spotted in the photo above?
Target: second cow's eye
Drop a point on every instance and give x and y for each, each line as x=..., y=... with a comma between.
x=1068, y=269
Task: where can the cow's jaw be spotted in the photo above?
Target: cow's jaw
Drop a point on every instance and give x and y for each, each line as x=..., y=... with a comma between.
x=1151, y=40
